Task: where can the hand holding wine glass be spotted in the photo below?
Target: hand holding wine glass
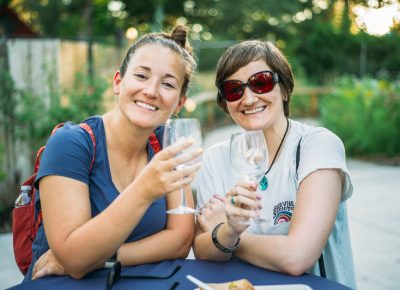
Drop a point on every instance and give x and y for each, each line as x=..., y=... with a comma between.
x=249, y=157
x=175, y=131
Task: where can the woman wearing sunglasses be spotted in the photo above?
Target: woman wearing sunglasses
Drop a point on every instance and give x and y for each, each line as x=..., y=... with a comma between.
x=116, y=206
x=302, y=192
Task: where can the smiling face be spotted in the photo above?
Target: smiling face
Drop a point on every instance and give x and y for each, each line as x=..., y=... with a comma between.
x=150, y=90
x=256, y=111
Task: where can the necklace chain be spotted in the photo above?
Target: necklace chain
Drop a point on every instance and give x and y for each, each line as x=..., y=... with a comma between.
x=279, y=148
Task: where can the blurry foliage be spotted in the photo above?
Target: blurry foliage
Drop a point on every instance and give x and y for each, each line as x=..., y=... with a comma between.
x=2, y=173
x=7, y=112
x=245, y=19
x=210, y=115
x=300, y=106
x=316, y=39
x=204, y=81
x=325, y=53
x=300, y=101
x=208, y=58
x=35, y=119
x=69, y=19
x=7, y=99
x=365, y=114
x=65, y=19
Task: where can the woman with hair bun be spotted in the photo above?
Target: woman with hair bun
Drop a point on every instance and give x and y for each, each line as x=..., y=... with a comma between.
x=116, y=206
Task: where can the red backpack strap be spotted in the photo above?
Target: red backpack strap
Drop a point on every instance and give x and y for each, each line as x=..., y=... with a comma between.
x=41, y=149
x=56, y=128
x=88, y=129
x=154, y=143
x=37, y=161
x=37, y=222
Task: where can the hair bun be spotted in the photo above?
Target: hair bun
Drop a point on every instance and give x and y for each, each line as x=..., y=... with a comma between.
x=180, y=34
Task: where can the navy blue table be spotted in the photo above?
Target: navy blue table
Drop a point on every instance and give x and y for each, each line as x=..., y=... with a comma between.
x=210, y=272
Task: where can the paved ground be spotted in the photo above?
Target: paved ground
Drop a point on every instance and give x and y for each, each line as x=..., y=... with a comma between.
x=374, y=223
x=9, y=272
x=374, y=217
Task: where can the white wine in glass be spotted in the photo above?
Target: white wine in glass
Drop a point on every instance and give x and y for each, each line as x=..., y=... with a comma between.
x=249, y=157
x=176, y=130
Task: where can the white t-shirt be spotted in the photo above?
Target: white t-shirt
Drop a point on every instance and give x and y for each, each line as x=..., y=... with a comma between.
x=319, y=149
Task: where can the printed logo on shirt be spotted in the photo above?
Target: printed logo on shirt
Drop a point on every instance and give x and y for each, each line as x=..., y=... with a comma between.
x=283, y=212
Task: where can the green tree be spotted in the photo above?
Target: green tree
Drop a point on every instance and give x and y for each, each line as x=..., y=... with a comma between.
x=35, y=120
x=315, y=35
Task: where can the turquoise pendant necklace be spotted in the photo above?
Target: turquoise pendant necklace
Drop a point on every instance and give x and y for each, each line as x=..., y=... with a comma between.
x=263, y=184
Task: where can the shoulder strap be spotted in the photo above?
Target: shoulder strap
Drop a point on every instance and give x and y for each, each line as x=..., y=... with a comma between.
x=298, y=155
x=88, y=129
x=41, y=149
x=154, y=143
x=321, y=264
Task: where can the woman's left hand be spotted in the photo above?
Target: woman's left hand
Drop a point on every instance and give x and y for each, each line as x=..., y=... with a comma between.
x=47, y=265
x=212, y=213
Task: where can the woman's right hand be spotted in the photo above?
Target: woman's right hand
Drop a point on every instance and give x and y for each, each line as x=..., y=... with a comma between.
x=242, y=204
x=161, y=175
x=47, y=265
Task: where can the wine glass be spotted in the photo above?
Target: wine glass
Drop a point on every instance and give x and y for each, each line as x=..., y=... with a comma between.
x=176, y=130
x=249, y=157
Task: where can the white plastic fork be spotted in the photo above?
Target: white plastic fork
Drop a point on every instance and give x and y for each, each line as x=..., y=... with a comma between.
x=199, y=283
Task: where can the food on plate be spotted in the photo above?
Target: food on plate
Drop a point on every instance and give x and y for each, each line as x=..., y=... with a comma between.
x=242, y=284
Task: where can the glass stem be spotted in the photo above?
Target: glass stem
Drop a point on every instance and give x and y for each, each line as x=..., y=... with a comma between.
x=183, y=197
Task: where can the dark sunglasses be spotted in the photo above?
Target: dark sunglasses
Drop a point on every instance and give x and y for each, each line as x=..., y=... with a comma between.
x=259, y=83
x=115, y=275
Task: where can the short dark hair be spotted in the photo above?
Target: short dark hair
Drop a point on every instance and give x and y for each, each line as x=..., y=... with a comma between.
x=177, y=41
x=241, y=54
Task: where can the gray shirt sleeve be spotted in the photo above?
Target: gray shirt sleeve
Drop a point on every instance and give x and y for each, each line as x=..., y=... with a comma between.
x=322, y=149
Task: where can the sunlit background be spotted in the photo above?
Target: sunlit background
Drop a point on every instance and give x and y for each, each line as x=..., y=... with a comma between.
x=377, y=21
x=58, y=58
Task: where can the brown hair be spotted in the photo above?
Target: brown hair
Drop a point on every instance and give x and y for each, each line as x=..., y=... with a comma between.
x=177, y=41
x=241, y=54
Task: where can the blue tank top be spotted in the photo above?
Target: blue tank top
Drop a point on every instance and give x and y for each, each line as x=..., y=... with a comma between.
x=69, y=152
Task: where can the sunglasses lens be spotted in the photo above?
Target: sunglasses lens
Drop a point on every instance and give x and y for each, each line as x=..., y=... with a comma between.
x=232, y=90
x=261, y=82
